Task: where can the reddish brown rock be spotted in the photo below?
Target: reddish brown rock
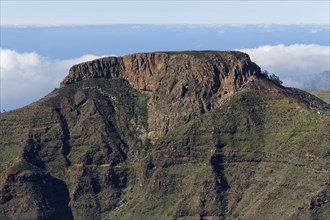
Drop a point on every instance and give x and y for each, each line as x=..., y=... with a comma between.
x=183, y=85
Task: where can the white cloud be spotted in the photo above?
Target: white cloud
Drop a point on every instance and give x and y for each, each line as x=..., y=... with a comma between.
x=265, y=25
x=222, y=31
x=295, y=59
x=26, y=77
x=24, y=63
x=317, y=29
x=136, y=27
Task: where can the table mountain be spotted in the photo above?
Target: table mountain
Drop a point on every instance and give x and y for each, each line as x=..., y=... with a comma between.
x=167, y=135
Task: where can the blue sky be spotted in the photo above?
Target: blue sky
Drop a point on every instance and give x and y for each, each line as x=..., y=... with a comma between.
x=163, y=12
x=41, y=40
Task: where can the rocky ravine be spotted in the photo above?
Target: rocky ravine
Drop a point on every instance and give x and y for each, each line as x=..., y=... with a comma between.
x=176, y=135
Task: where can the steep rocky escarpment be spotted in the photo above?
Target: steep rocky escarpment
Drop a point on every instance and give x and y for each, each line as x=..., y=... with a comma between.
x=183, y=85
x=78, y=135
x=175, y=135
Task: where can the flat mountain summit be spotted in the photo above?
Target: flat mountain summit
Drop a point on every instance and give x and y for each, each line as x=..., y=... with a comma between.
x=167, y=135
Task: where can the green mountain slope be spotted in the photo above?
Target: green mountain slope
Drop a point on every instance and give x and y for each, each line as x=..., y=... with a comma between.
x=187, y=135
x=322, y=94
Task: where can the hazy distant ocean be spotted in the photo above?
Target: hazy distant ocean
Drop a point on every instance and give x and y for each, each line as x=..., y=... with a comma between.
x=73, y=41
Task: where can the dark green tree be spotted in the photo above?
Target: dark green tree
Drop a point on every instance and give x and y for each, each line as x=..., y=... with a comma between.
x=275, y=79
x=265, y=73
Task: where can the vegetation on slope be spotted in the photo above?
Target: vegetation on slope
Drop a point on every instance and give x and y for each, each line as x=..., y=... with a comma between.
x=322, y=94
x=261, y=156
x=207, y=137
x=78, y=135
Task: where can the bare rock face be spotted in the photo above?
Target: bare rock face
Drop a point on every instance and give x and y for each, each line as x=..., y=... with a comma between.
x=175, y=135
x=182, y=85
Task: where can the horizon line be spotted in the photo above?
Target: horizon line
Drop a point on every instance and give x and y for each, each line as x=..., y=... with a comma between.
x=210, y=25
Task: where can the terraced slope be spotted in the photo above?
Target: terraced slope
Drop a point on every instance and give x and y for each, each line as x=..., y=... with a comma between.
x=180, y=135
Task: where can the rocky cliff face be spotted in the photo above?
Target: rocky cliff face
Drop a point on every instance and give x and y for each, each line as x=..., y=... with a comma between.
x=177, y=135
x=182, y=85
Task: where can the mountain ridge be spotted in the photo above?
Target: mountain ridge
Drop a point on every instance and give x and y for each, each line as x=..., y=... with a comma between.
x=179, y=135
x=315, y=81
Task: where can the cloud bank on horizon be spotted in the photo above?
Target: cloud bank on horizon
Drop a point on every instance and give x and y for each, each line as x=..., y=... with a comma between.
x=27, y=77
x=291, y=60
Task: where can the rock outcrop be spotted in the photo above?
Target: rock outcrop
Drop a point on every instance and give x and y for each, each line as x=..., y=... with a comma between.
x=172, y=135
x=182, y=85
